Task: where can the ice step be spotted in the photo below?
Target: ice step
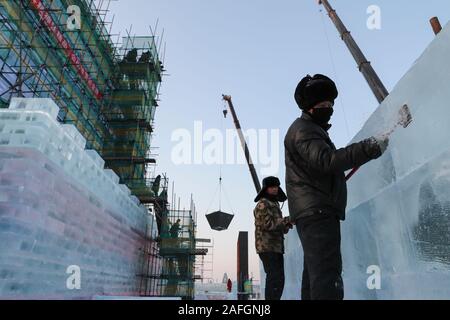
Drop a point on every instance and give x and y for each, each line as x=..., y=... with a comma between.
x=35, y=104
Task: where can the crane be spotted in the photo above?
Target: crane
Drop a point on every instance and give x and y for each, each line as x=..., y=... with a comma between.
x=248, y=157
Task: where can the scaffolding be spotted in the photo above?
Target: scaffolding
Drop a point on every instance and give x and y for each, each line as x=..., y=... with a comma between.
x=131, y=113
x=150, y=280
x=41, y=57
x=204, y=264
x=176, y=259
x=109, y=92
x=179, y=250
x=151, y=265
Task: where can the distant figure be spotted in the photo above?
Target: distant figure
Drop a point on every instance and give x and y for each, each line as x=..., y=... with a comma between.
x=156, y=184
x=145, y=57
x=175, y=229
x=171, y=287
x=225, y=278
x=131, y=56
x=229, y=285
x=165, y=225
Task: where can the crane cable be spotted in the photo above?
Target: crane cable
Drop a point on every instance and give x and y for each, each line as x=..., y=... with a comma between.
x=225, y=113
x=220, y=167
x=219, y=187
x=334, y=70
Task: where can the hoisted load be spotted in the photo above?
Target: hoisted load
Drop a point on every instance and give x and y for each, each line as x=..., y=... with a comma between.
x=219, y=220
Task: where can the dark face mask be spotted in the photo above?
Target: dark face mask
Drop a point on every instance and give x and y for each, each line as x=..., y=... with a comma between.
x=322, y=115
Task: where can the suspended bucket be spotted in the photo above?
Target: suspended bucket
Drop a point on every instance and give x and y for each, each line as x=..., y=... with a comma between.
x=219, y=220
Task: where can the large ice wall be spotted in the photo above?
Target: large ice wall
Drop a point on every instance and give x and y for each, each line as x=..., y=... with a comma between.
x=399, y=206
x=59, y=207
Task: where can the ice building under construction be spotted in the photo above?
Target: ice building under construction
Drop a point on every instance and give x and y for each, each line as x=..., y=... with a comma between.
x=82, y=212
x=397, y=224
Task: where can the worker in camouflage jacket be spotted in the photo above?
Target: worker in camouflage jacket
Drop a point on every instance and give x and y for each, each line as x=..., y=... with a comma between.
x=316, y=185
x=270, y=228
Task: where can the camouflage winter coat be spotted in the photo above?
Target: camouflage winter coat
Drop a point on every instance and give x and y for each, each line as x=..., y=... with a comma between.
x=270, y=227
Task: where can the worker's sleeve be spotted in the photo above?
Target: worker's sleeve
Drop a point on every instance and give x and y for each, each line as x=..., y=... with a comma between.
x=266, y=220
x=321, y=157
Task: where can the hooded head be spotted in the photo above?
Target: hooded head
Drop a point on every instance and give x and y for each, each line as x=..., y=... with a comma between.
x=268, y=183
x=314, y=90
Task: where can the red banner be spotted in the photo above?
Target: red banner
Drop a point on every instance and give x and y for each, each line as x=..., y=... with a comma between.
x=73, y=58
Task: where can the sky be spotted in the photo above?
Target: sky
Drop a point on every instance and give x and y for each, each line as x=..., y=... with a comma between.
x=257, y=51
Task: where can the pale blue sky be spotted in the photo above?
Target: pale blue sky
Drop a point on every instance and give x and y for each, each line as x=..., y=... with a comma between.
x=257, y=51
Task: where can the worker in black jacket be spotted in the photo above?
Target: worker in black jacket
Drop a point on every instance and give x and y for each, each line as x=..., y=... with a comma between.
x=316, y=185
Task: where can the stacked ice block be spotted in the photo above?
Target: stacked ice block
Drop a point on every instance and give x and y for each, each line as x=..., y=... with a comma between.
x=60, y=207
x=398, y=214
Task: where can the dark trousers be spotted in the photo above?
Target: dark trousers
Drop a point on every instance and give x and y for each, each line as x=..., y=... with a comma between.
x=320, y=236
x=274, y=268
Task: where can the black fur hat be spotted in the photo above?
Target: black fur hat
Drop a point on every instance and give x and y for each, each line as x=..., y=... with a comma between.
x=271, y=182
x=313, y=90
